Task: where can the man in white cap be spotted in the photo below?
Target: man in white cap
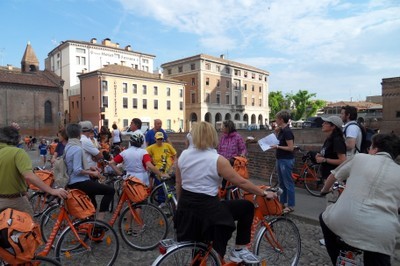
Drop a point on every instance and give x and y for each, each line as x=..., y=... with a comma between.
x=92, y=154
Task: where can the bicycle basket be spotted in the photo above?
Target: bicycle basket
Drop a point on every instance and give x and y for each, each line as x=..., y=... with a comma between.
x=267, y=206
x=135, y=189
x=46, y=176
x=79, y=205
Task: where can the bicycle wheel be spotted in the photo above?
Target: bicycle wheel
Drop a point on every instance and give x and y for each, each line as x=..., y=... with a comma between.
x=273, y=178
x=312, y=182
x=101, y=242
x=147, y=233
x=158, y=198
x=38, y=260
x=48, y=221
x=38, y=203
x=187, y=254
x=281, y=245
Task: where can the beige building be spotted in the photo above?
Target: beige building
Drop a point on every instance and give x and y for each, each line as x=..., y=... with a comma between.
x=31, y=97
x=391, y=105
x=69, y=59
x=116, y=94
x=218, y=89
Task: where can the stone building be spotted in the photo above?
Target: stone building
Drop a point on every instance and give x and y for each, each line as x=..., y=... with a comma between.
x=116, y=94
x=218, y=89
x=31, y=97
x=69, y=59
x=391, y=105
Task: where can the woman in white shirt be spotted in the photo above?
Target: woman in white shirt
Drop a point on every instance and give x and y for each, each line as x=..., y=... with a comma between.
x=201, y=216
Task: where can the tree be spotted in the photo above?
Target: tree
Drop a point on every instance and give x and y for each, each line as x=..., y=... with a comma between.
x=277, y=102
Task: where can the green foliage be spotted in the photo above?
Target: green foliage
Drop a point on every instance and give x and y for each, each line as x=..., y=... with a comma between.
x=300, y=104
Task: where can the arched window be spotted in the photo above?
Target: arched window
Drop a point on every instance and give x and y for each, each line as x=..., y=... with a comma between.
x=48, y=117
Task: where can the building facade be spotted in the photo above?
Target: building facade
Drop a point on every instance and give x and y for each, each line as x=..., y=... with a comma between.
x=116, y=94
x=391, y=105
x=31, y=97
x=69, y=59
x=217, y=89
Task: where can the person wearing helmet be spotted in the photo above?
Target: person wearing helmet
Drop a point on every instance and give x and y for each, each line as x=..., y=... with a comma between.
x=136, y=160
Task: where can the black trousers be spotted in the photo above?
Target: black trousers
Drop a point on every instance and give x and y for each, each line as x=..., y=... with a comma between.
x=93, y=188
x=333, y=246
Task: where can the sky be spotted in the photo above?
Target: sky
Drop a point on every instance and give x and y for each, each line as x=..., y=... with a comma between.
x=339, y=50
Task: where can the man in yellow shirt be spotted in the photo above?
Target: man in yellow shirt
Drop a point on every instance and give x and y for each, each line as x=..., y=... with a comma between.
x=162, y=153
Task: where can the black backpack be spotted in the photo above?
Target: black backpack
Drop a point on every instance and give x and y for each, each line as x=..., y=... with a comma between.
x=366, y=138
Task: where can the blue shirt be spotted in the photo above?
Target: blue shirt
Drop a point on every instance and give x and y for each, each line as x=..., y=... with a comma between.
x=150, y=136
x=73, y=160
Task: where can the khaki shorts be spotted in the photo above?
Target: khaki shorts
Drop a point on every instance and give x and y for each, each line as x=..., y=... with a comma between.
x=20, y=204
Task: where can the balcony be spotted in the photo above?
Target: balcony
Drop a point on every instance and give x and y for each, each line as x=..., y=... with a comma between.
x=237, y=108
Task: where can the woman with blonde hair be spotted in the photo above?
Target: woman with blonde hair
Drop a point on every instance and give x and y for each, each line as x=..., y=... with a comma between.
x=201, y=216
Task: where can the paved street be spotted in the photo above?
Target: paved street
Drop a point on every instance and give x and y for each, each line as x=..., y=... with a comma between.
x=305, y=216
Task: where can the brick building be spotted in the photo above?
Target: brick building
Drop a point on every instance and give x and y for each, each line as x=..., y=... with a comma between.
x=31, y=97
x=391, y=105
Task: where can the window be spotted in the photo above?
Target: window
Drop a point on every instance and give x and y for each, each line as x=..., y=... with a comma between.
x=252, y=101
x=398, y=114
x=259, y=102
x=168, y=105
x=105, y=101
x=180, y=69
x=207, y=81
x=144, y=103
x=218, y=68
x=48, y=117
x=245, y=87
x=253, y=75
x=180, y=93
x=252, y=87
x=81, y=60
x=134, y=88
x=73, y=105
x=193, y=96
x=168, y=123
x=245, y=100
x=192, y=66
x=208, y=66
x=169, y=71
x=80, y=50
x=193, y=81
x=181, y=106
x=218, y=98
x=156, y=104
x=227, y=99
x=144, y=89
x=134, y=103
x=145, y=61
x=236, y=100
x=125, y=123
x=259, y=89
x=237, y=72
x=245, y=74
x=155, y=90
x=124, y=87
x=104, y=85
x=217, y=82
x=259, y=77
x=227, y=83
x=227, y=70
x=125, y=103
x=168, y=91
x=208, y=98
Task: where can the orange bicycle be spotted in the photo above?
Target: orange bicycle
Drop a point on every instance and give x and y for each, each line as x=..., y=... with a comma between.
x=141, y=225
x=276, y=240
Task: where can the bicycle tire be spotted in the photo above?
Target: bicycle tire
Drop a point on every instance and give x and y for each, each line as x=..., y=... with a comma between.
x=158, y=198
x=99, y=236
x=48, y=221
x=182, y=254
x=43, y=261
x=273, y=180
x=38, y=203
x=148, y=236
x=312, y=182
x=287, y=235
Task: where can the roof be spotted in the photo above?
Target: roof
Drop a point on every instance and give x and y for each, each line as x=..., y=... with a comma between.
x=38, y=78
x=216, y=59
x=29, y=55
x=359, y=105
x=128, y=71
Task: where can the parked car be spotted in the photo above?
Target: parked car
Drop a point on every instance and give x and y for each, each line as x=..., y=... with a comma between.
x=313, y=122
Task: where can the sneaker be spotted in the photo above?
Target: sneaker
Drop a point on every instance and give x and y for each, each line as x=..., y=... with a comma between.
x=243, y=255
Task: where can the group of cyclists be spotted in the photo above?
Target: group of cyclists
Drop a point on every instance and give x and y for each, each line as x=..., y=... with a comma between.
x=205, y=165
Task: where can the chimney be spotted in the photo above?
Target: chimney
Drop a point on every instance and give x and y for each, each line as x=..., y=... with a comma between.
x=128, y=47
x=93, y=40
x=106, y=42
x=9, y=67
x=160, y=75
x=222, y=56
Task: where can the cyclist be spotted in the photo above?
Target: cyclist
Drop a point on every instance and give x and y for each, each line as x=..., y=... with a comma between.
x=82, y=176
x=162, y=153
x=15, y=171
x=136, y=160
x=201, y=216
x=366, y=214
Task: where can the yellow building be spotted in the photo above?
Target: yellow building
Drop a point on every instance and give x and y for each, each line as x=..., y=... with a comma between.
x=116, y=94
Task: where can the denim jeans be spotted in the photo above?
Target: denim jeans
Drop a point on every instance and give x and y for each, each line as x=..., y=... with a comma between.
x=284, y=168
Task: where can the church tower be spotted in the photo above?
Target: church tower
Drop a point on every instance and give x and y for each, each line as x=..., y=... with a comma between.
x=29, y=62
